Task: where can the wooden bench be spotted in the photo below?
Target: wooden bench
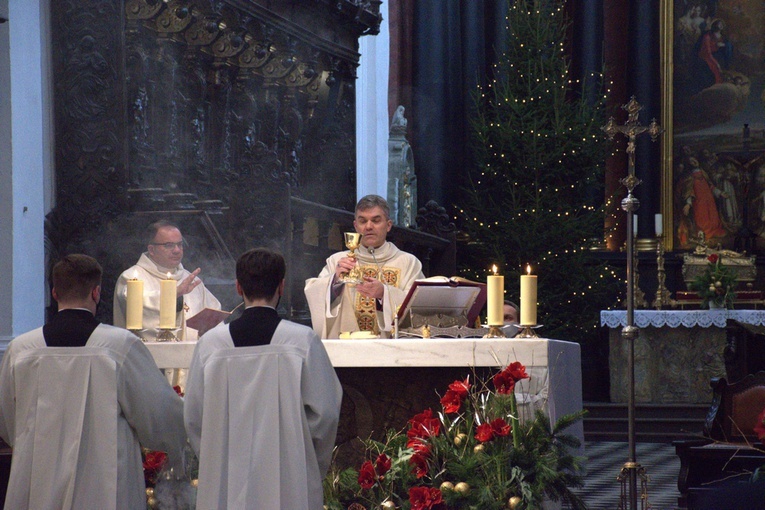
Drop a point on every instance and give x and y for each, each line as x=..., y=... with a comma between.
x=728, y=451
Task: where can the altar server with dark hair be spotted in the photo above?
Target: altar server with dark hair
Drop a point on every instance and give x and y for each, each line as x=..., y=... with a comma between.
x=76, y=398
x=262, y=402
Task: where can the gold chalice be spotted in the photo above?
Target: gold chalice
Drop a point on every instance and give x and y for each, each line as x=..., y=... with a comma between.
x=352, y=242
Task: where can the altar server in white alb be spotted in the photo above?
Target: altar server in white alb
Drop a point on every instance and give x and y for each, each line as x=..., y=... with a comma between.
x=162, y=259
x=262, y=402
x=388, y=274
x=76, y=398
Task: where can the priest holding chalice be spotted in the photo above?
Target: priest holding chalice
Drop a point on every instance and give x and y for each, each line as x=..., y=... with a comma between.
x=361, y=290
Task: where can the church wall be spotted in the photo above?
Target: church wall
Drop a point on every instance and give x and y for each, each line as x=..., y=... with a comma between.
x=24, y=132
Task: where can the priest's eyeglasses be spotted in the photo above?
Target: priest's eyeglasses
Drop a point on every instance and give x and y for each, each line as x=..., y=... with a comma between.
x=169, y=246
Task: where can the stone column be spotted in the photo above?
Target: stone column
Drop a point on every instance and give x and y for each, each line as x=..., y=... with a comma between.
x=25, y=164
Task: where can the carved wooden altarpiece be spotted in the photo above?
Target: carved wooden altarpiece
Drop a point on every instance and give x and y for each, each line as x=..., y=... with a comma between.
x=208, y=113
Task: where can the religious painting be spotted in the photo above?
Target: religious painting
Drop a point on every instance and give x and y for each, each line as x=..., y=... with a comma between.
x=714, y=153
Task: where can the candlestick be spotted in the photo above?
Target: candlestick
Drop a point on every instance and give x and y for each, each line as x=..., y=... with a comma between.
x=134, y=311
x=167, y=303
x=635, y=225
x=528, y=298
x=495, y=288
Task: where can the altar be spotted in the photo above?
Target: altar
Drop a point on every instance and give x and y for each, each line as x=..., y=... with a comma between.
x=676, y=352
x=387, y=381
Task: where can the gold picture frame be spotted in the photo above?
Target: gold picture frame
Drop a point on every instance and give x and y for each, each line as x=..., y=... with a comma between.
x=696, y=126
x=667, y=65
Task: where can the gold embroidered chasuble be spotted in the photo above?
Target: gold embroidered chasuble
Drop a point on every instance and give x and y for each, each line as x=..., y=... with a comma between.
x=350, y=311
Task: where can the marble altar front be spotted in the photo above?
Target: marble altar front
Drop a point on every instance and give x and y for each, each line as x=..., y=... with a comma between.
x=676, y=352
x=386, y=382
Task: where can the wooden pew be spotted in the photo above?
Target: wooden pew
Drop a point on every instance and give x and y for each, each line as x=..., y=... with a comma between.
x=728, y=451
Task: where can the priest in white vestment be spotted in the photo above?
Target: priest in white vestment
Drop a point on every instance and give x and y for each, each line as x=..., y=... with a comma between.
x=388, y=273
x=161, y=260
x=262, y=402
x=76, y=399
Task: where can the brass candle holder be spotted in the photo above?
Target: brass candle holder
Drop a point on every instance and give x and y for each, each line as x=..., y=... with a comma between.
x=527, y=331
x=138, y=333
x=495, y=332
x=166, y=335
x=352, y=242
x=663, y=296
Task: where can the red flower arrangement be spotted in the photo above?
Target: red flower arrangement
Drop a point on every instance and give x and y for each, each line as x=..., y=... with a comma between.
x=154, y=461
x=716, y=284
x=424, y=498
x=473, y=454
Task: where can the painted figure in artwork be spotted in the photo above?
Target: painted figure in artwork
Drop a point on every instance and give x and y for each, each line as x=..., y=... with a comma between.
x=699, y=193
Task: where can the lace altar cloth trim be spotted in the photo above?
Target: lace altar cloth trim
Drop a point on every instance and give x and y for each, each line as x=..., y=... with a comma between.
x=682, y=318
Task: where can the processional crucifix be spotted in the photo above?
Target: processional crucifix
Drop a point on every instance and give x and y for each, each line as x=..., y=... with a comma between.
x=631, y=129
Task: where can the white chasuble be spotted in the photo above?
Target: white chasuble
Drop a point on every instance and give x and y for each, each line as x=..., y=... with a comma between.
x=262, y=420
x=151, y=274
x=350, y=311
x=75, y=416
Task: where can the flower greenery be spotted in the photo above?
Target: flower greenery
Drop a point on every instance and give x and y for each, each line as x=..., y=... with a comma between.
x=474, y=454
x=716, y=283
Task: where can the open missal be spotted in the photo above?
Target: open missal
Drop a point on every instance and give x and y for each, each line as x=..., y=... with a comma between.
x=439, y=297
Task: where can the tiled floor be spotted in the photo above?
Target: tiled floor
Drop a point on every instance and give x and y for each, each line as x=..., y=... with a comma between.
x=605, y=461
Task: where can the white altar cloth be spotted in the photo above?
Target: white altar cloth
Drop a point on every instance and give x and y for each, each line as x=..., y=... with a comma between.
x=682, y=318
x=554, y=366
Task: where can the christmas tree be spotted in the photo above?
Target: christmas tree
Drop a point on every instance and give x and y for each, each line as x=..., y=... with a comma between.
x=539, y=155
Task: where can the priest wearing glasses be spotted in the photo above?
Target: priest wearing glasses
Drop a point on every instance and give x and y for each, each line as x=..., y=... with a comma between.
x=162, y=260
x=387, y=275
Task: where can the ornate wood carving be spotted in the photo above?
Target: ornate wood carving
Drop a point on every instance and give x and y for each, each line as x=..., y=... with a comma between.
x=189, y=106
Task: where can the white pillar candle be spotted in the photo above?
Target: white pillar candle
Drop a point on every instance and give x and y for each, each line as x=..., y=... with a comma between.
x=528, y=298
x=167, y=299
x=495, y=289
x=658, y=224
x=134, y=312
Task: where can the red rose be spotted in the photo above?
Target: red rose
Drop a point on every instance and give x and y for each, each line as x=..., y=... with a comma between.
x=759, y=429
x=420, y=465
x=382, y=464
x=423, y=498
x=423, y=425
x=178, y=390
x=484, y=432
x=419, y=446
x=505, y=381
x=367, y=475
x=152, y=464
x=460, y=387
x=452, y=402
x=713, y=258
x=500, y=427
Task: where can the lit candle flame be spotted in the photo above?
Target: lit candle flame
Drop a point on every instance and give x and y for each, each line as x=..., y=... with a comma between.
x=494, y=269
x=528, y=268
x=168, y=275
